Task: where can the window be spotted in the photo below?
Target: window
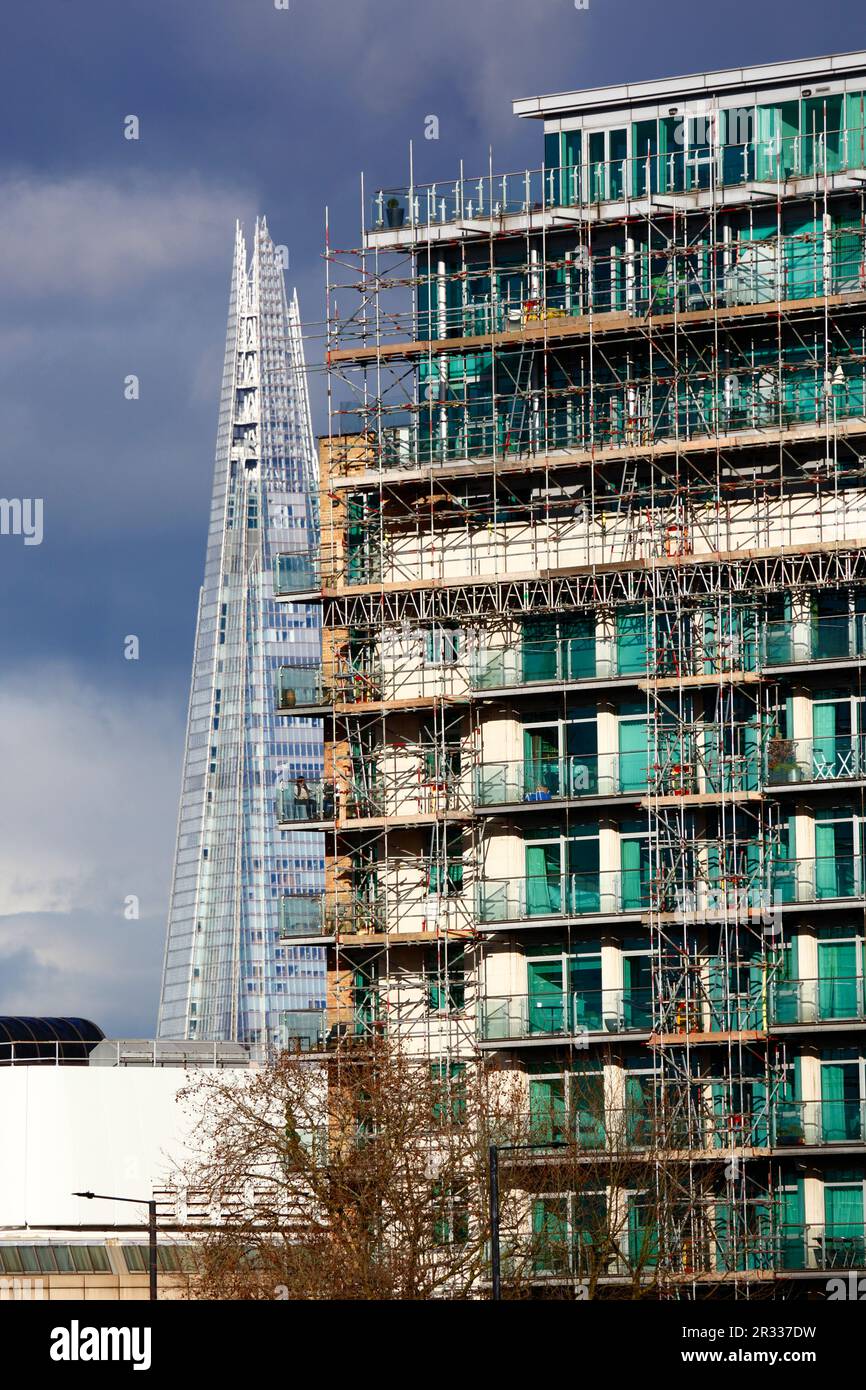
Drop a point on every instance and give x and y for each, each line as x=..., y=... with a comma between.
x=54, y=1259
x=172, y=1259
x=450, y=1214
x=445, y=860
x=442, y=645
x=449, y=1080
x=445, y=975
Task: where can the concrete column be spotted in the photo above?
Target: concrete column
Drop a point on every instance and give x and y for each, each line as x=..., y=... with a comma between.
x=810, y=1094
x=611, y=976
x=605, y=643
x=614, y=1100
x=804, y=842
x=813, y=1212
x=801, y=627
x=609, y=864
x=630, y=283
x=801, y=730
x=607, y=733
x=807, y=972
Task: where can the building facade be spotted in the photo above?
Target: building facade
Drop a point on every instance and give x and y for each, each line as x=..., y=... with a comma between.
x=594, y=616
x=242, y=880
x=85, y=1113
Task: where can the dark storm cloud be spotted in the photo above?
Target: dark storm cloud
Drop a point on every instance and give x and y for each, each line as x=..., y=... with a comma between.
x=116, y=256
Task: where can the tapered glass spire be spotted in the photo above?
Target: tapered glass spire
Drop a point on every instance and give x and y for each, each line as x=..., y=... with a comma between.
x=230, y=970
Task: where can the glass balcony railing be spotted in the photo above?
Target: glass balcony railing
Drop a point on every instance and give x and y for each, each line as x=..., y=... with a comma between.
x=788, y=1248
x=530, y=663
x=685, y=280
x=758, y=889
x=609, y=421
x=560, y=895
x=827, y=758
x=305, y=799
x=540, y=781
x=841, y=1245
x=678, y=171
x=299, y=687
x=296, y=573
x=823, y=879
x=798, y=1123
x=303, y=1030
x=513, y=1017
x=302, y=914
x=818, y=639
x=824, y=1000
x=554, y=660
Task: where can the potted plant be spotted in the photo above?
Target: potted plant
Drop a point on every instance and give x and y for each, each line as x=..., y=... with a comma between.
x=395, y=214
x=781, y=758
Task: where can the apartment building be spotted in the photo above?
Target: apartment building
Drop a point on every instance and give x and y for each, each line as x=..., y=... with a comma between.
x=593, y=587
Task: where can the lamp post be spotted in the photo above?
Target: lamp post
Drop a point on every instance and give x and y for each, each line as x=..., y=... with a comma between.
x=151, y=1227
x=493, y=1202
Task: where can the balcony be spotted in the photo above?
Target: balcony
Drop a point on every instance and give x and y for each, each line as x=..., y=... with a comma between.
x=522, y=1017
x=300, y=687
x=302, y=914
x=305, y=801
x=559, y=660
x=296, y=573
x=818, y=1247
x=818, y=1001
x=817, y=639
x=303, y=1030
x=523, y=899
x=785, y=1124
x=793, y=761
x=540, y=782
x=687, y=280
x=798, y=1249
x=829, y=878
x=556, y=661
x=405, y=792
x=818, y=1123
x=428, y=205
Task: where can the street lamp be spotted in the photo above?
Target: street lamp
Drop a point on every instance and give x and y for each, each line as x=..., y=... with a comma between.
x=493, y=1194
x=151, y=1227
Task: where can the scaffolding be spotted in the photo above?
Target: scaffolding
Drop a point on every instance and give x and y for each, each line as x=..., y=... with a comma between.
x=596, y=437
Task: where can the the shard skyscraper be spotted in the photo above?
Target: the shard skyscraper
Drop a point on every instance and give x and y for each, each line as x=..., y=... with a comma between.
x=230, y=971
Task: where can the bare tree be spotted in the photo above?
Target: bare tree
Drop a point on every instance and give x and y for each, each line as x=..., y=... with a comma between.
x=361, y=1175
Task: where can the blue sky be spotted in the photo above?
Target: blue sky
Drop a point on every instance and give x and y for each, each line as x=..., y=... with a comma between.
x=116, y=257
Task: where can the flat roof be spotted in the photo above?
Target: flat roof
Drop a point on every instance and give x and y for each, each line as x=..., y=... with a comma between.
x=796, y=71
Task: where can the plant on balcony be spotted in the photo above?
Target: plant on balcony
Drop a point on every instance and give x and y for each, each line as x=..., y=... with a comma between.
x=395, y=215
x=781, y=755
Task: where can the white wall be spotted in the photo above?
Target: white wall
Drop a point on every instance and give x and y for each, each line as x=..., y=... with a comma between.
x=107, y=1129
